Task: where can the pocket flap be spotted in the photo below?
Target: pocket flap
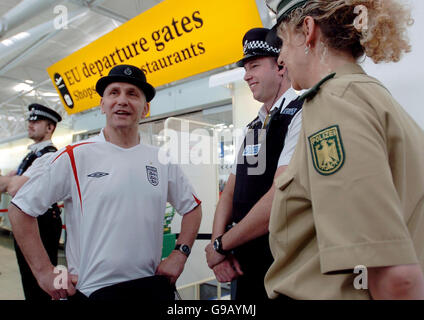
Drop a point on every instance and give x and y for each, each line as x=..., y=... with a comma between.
x=282, y=181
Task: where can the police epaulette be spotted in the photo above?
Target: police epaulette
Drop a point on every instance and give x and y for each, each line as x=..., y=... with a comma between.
x=254, y=122
x=314, y=90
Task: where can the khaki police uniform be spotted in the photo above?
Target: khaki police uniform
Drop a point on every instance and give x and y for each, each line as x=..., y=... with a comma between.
x=353, y=193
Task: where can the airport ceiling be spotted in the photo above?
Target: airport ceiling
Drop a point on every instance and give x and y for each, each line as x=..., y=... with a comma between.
x=30, y=44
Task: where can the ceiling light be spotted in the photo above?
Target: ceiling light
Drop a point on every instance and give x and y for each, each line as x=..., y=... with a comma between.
x=29, y=81
x=49, y=94
x=22, y=87
x=7, y=42
x=21, y=35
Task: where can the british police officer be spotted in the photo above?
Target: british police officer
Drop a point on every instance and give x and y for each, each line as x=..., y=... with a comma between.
x=243, y=253
x=42, y=123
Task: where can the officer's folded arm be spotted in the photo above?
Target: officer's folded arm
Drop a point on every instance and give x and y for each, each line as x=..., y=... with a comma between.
x=4, y=182
x=15, y=184
x=255, y=223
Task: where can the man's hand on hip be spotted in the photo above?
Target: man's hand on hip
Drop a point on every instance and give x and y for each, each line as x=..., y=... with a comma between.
x=172, y=266
x=52, y=283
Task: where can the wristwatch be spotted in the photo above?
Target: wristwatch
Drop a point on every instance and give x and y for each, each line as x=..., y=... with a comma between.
x=183, y=248
x=217, y=245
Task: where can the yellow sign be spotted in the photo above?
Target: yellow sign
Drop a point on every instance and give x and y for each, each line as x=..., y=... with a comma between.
x=175, y=39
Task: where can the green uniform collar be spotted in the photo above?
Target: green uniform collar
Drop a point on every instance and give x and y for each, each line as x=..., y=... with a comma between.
x=314, y=90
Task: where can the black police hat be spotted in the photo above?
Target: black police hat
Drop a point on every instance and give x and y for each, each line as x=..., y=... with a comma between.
x=40, y=112
x=129, y=74
x=259, y=42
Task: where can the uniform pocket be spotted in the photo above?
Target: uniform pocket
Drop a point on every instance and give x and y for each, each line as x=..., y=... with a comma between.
x=278, y=219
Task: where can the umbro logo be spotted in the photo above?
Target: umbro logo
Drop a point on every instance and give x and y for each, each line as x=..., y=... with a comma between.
x=98, y=174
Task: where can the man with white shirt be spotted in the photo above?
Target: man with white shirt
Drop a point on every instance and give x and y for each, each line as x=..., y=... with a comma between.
x=118, y=189
x=242, y=252
x=41, y=125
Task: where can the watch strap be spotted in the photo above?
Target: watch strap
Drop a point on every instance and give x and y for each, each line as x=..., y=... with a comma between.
x=183, y=248
x=218, y=246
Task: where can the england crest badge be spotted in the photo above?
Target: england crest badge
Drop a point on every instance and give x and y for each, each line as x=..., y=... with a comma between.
x=152, y=175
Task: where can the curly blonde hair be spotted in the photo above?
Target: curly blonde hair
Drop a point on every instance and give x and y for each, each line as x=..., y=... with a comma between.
x=382, y=38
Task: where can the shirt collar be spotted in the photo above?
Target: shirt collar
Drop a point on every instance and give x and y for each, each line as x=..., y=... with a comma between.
x=348, y=68
x=101, y=136
x=289, y=96
x=35, y=147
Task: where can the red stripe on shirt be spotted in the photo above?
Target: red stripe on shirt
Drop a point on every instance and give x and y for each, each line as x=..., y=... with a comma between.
x=70, y=151
x=197, y=200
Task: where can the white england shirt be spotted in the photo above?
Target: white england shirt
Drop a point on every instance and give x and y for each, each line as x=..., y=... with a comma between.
x=118, y=198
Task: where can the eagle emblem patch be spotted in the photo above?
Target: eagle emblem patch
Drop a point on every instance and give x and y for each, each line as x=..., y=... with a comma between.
x=327, y=150
x=152, y=175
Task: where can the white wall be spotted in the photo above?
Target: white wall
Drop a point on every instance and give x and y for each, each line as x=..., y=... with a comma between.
x=405, y=79
x=245, y=107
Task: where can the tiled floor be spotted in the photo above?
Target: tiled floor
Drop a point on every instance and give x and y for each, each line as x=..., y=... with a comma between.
x=10, y=279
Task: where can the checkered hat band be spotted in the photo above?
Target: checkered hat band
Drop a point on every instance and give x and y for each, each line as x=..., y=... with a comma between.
x=42, y=113
x=254, y=45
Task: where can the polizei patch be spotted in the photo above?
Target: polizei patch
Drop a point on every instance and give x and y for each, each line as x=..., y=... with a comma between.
x=152, y=175
x=327, y=150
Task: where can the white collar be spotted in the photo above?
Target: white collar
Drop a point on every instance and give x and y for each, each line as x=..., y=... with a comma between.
x=289, y=96
x=101, y=136
x=35, y=147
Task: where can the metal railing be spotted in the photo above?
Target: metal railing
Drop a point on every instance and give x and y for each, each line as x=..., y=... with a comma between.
x=196, y=288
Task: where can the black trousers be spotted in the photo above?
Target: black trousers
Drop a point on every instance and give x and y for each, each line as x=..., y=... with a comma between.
x=50, y=226
x=155, y=288
x=255, y=258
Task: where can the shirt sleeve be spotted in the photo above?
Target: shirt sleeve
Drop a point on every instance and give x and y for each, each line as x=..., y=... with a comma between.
x=291, y=139
x=39, y=164
x=181, y=194
x=42, y=190
x=356, y=209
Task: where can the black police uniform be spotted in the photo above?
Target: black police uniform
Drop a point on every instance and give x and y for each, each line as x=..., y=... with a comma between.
x=49, y=224
x=255, y=256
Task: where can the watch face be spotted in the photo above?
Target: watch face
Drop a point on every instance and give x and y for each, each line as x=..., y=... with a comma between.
x=185, y=249
x=216, y=244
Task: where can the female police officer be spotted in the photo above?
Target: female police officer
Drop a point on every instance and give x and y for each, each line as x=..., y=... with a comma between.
x=348, y=214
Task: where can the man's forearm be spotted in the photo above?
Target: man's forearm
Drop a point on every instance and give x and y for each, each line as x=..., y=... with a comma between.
x=224, y=209
x=222, y=216
x=25, y=231
x=190, y=226
x=255, y=223
x=252, y=226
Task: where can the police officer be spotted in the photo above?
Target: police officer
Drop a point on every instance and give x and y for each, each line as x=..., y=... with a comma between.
x=41, y=125
x=242, y=253
x=347, y=219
